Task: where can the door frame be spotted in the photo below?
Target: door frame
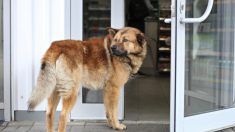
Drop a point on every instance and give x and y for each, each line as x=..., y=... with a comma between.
x=75, y=24
x=7, y=59
x=211, y=121
x=173, y=67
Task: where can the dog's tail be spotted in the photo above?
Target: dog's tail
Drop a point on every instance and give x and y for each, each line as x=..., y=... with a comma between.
x=46, y=81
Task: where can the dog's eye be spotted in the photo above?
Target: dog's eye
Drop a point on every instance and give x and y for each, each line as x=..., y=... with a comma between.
x=125, y=40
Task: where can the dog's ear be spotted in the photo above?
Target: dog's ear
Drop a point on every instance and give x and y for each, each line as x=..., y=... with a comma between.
x=112, y=31
x=141, y=39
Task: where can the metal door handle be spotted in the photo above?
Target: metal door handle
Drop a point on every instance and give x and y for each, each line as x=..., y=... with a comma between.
x=196, y=20
x=167, y=20
x=202, y=18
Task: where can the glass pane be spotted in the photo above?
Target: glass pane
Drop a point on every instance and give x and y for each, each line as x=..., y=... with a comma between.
x=209, y=58
x=1, y=53
x=96, y=18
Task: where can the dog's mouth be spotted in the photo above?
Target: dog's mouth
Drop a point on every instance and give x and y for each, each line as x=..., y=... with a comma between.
x=118, y=53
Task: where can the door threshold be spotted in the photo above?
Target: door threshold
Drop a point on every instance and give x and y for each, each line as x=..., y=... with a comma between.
x=124, y=121
x=146, y=122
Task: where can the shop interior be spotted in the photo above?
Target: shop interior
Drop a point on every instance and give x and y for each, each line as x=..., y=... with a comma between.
x=147, y=95
x=209, y=56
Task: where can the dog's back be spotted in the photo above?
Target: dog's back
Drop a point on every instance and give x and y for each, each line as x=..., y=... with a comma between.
x=70, y=63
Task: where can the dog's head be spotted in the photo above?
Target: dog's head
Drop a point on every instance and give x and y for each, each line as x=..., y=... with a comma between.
x=127, y=41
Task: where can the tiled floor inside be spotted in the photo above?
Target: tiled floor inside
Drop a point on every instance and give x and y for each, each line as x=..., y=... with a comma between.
x=147, y=98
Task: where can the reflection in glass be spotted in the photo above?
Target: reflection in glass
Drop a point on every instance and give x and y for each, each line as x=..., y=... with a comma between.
x=209, y=71
x=96, y=18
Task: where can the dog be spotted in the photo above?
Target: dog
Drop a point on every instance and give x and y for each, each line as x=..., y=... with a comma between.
x=99, y=63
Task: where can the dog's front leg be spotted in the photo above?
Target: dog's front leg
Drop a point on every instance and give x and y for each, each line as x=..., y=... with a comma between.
x=111, y=96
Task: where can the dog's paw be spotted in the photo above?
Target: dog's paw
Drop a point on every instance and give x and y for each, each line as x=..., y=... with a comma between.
x=109, y=125
x=120, y=127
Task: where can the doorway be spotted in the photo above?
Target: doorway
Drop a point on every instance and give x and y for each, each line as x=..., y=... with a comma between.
x=147, y=95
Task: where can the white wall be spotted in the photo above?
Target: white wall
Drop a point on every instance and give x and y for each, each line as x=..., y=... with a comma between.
x=35, y=24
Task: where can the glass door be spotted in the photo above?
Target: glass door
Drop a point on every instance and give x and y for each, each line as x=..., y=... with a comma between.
x=204, y=92
x=90, y=18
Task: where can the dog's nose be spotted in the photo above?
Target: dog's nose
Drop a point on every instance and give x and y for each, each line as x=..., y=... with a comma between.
x=114, y=47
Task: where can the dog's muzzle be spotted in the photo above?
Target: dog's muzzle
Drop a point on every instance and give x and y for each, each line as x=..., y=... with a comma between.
x=116, y=50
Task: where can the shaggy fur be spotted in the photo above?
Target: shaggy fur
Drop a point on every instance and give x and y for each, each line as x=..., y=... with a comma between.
x=98, y=63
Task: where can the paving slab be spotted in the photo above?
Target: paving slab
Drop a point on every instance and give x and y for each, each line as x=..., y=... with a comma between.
x=10, y=129
x=3, y=124
x=77, y=123
x=77, y=128
x=1, y=128
x=20, y=123
x=89, y=126
x=24, y=128
x=151, y=128
x=38, y=128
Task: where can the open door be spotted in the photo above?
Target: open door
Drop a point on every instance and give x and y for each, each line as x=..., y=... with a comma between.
x=202, y=80
x=89, y=18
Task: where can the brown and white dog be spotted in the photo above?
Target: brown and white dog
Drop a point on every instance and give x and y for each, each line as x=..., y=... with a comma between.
x=99, y=63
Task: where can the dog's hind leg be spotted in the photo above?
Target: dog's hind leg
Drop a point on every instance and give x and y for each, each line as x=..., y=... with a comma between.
x=68, y=103
x=53, y=101
x=111, y=96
